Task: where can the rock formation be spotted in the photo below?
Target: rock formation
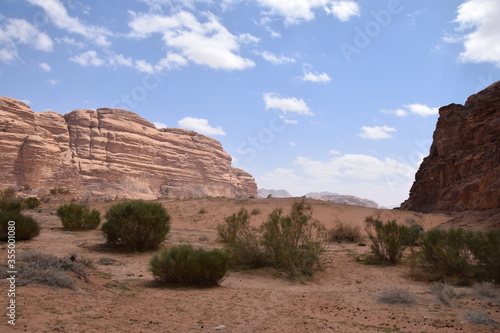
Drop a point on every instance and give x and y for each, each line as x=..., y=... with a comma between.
x=342, y=199
x=264, y=193
x=462, y=171
x=112, y=153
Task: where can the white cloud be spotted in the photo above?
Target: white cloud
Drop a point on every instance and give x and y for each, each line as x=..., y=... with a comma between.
x=159, y=125
x=275, y=59
x=17, y=31
x=418, y=109
x=479, y=21
x=343, y=10
x=72, y=41
x=422, y=110
x=334, y=152
x=376, y=132
x=157, y=5
x=292, y=105
x=88, y=58
x=398, y=112
x=58, y=14
x=248, y=39
x=315, y=77
x=296, y=11
x=200, y=125
x=292, y=144
x=116, y=60
x=46, y=67
x=206, y=43
x=53, y=81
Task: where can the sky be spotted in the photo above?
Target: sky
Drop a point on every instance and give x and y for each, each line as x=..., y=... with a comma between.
x=306, y=95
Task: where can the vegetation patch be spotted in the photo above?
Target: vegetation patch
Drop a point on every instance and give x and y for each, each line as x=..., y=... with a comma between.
x=23, y=228
x=78, y=217
x=396, y=295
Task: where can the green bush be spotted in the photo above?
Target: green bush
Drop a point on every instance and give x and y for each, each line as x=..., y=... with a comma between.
x=25, y=226
x=32, y=202
x=240, y=240
x=10, y=205
x=78, y=217
x=137, y=225
x=463, y=255
x=389, y=240
x=8, y=193
x=190, y=267
x=291, y=243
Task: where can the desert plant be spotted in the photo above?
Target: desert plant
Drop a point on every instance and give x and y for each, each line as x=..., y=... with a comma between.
x=479, y=317
x=389, y=240
x=58, y=190
x=485, y=247
x=137, y=225
x=291, y=243
x=444, y=293
x=241, y=240
x=415, y=233
x=32, y=202
x=395, y=295
x=445, y=253
x=188, y=266
x=486, y=291
x=11, y=205
x=344, y=233
x=8, y=193
x=78, y=217
x=23, y=228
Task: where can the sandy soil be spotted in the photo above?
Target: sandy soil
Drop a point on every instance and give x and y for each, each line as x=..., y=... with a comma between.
x=341, y=298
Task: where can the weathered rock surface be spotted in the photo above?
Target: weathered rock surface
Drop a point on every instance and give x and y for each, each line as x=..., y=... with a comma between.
x=462, y=171
x=112, y=153
x=342, y=199
x=264, y=193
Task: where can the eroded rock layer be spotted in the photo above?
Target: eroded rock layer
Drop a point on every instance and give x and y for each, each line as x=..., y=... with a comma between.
x=112, y=153
x=462, y=171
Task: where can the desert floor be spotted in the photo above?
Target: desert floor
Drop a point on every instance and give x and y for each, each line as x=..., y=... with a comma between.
x=124, y=298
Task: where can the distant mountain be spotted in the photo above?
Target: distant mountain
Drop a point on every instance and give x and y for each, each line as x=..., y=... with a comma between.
x=342, y=199
x=264, y=193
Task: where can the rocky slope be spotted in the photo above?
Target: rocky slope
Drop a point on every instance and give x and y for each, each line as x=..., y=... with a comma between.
x=342, y=199
x=112, y=153
x=462, y=171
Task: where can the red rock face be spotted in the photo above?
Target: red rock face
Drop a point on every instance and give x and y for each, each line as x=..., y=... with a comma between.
x=462, y=171
x=112, y=153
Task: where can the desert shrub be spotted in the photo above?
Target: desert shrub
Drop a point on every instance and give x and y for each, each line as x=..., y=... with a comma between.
x=188, y=266
x=291, y=243
x=415, y=233
x=486, y=291
x=78, y=217
x=8, y=193
x=255, y=211
x=10, y=205
x=389, y=240
x=479, y=317
x=25, y=226
x=485, y=247
x=444, y=293
x=46, y=269
x=58, y=190
x=396, y=295
x=32, y=202
x=344, y=233
x=241, y=240
x=445, y=253
x=137, y=225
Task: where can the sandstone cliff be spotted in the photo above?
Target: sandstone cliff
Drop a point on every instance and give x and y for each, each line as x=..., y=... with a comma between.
x=462, y=171
x=112, y=153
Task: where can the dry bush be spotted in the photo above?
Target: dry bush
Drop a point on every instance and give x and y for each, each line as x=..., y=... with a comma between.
x=486, y=291
x=395, y=295
x=479, y=317
x=444, y=293
x=344, y=233
x=40, y=268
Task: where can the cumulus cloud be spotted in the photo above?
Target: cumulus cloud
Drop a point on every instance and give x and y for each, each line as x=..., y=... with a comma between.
x=275, y=59
x=206, y=43
x=478, y=21
x=296, y=11
x=343, y=10
x=376, y=132
x=18, y=31
x=88, y=58
x=159, y=125
x=287, y=105
x=416, y=108
x=311, y=76
x=200, y=125
x=53, y=81
x=45, y=67
x=59, y=16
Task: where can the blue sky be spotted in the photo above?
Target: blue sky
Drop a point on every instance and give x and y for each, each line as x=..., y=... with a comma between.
x=306, y=95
